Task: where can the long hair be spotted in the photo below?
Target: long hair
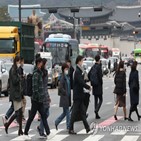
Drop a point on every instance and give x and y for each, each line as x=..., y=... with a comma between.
x=16, y=59
x=120, y=66
x=134, y=66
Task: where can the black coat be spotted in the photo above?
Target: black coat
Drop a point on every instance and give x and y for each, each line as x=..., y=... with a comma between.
x=15, y=84
x=65, y=98
x=96, y=79
x=120, y=83
x=79, y=85
x=134, y=95
x=71, y=70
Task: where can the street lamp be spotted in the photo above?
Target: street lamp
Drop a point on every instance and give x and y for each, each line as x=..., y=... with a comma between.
x=19, y=10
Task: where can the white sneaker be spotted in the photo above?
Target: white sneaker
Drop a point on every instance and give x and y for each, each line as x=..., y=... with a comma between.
x=26, y=138
x=4, y=120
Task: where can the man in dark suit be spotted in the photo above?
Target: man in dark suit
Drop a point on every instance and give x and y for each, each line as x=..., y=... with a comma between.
x=71, y=70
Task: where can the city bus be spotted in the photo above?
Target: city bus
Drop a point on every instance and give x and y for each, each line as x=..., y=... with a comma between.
x=62, y=48
x=104, y=51
x=137, y=55
x=92, y=50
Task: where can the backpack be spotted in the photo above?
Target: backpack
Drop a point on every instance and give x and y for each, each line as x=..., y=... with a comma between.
x=29, y=90
x=92, y=75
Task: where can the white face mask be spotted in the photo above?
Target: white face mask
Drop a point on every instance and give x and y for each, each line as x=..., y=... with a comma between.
x=66, y=72
x=18, y=65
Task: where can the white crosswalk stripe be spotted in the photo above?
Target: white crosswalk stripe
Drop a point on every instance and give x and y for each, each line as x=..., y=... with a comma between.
x=94, y=138
x=130, y=138
x=19, y=138
x=16, y=132
x=119, y=132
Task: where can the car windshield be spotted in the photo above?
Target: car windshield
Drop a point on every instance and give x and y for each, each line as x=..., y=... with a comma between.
x=7, y=45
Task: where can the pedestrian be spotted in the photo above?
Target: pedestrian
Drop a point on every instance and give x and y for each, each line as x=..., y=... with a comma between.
x=71, y=71
x=37, y=98
x=46, y=100
x=15, y=95
x=109, y=67
x=79, y=108
x=23, y=86
x=95, y=77
x=134, y=90
x=120, y=90
x=64, y=91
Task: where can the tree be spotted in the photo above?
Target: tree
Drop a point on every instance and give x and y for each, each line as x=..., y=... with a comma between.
x=4, y=16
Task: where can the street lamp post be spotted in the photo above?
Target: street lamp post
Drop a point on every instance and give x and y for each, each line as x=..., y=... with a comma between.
x=19, y=10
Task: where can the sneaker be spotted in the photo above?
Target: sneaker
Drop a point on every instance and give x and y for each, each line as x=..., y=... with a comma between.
x=4, y=120
x=43, y=136
x=26, y=137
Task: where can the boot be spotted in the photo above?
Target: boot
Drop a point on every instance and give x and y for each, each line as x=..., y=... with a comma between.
x=97, y=115
x=6, y=125
x=129, y=118
x=20, y=115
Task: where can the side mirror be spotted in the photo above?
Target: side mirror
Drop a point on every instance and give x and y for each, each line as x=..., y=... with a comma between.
x=3, y=70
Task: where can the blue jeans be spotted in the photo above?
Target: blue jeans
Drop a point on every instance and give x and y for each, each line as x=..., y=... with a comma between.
x=66, y=113
x=10, y=111
x=41, y=126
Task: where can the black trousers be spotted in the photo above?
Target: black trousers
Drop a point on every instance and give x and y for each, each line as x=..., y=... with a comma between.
x=78, y=110
x=98, y=102
x=36, y=106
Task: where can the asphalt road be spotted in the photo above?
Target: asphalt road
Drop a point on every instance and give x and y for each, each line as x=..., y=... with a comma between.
x=106, y=128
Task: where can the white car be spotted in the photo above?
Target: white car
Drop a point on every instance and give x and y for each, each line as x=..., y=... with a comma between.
x=4, y=75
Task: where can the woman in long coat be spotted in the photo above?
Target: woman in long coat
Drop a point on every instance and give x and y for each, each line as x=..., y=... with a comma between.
x=120, y=89
x=134, y=90
x=64, y=91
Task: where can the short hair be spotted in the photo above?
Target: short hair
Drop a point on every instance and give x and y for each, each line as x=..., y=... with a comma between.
x=134, y=65
x=97, y=58
x=64, y=66
x=68, y=61
x=78, y=59
x=37, y=56
x=39, y=60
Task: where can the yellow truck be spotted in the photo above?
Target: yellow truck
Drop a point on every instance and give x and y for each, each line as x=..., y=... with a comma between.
x=16, y=39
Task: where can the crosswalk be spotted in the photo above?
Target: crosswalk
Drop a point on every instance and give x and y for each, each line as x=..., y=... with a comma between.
x=61, y=135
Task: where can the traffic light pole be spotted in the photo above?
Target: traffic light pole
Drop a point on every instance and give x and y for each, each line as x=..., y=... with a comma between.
x=19, y=10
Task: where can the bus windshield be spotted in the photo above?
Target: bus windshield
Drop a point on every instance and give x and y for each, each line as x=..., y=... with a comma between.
x=91, y=52
x=58, y=50
x=7, y=46
x=138, y=54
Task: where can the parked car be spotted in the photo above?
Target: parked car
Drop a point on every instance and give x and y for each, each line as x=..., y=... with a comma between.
x=104, y=63
x=28, y=68
x=4, y=75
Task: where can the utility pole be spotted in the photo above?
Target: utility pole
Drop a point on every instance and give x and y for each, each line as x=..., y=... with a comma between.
x=19, y=10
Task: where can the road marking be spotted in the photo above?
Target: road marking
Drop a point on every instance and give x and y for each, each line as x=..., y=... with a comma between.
x=108, y=103
x=20, y=138
x=130, y=138
x=94, y=138
x=59, y=137
x=109, y=121
x=83, y=131
x=63, y=122
x=106, y=88
x=16, y=132
x=54, y=105
x=119, y=132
